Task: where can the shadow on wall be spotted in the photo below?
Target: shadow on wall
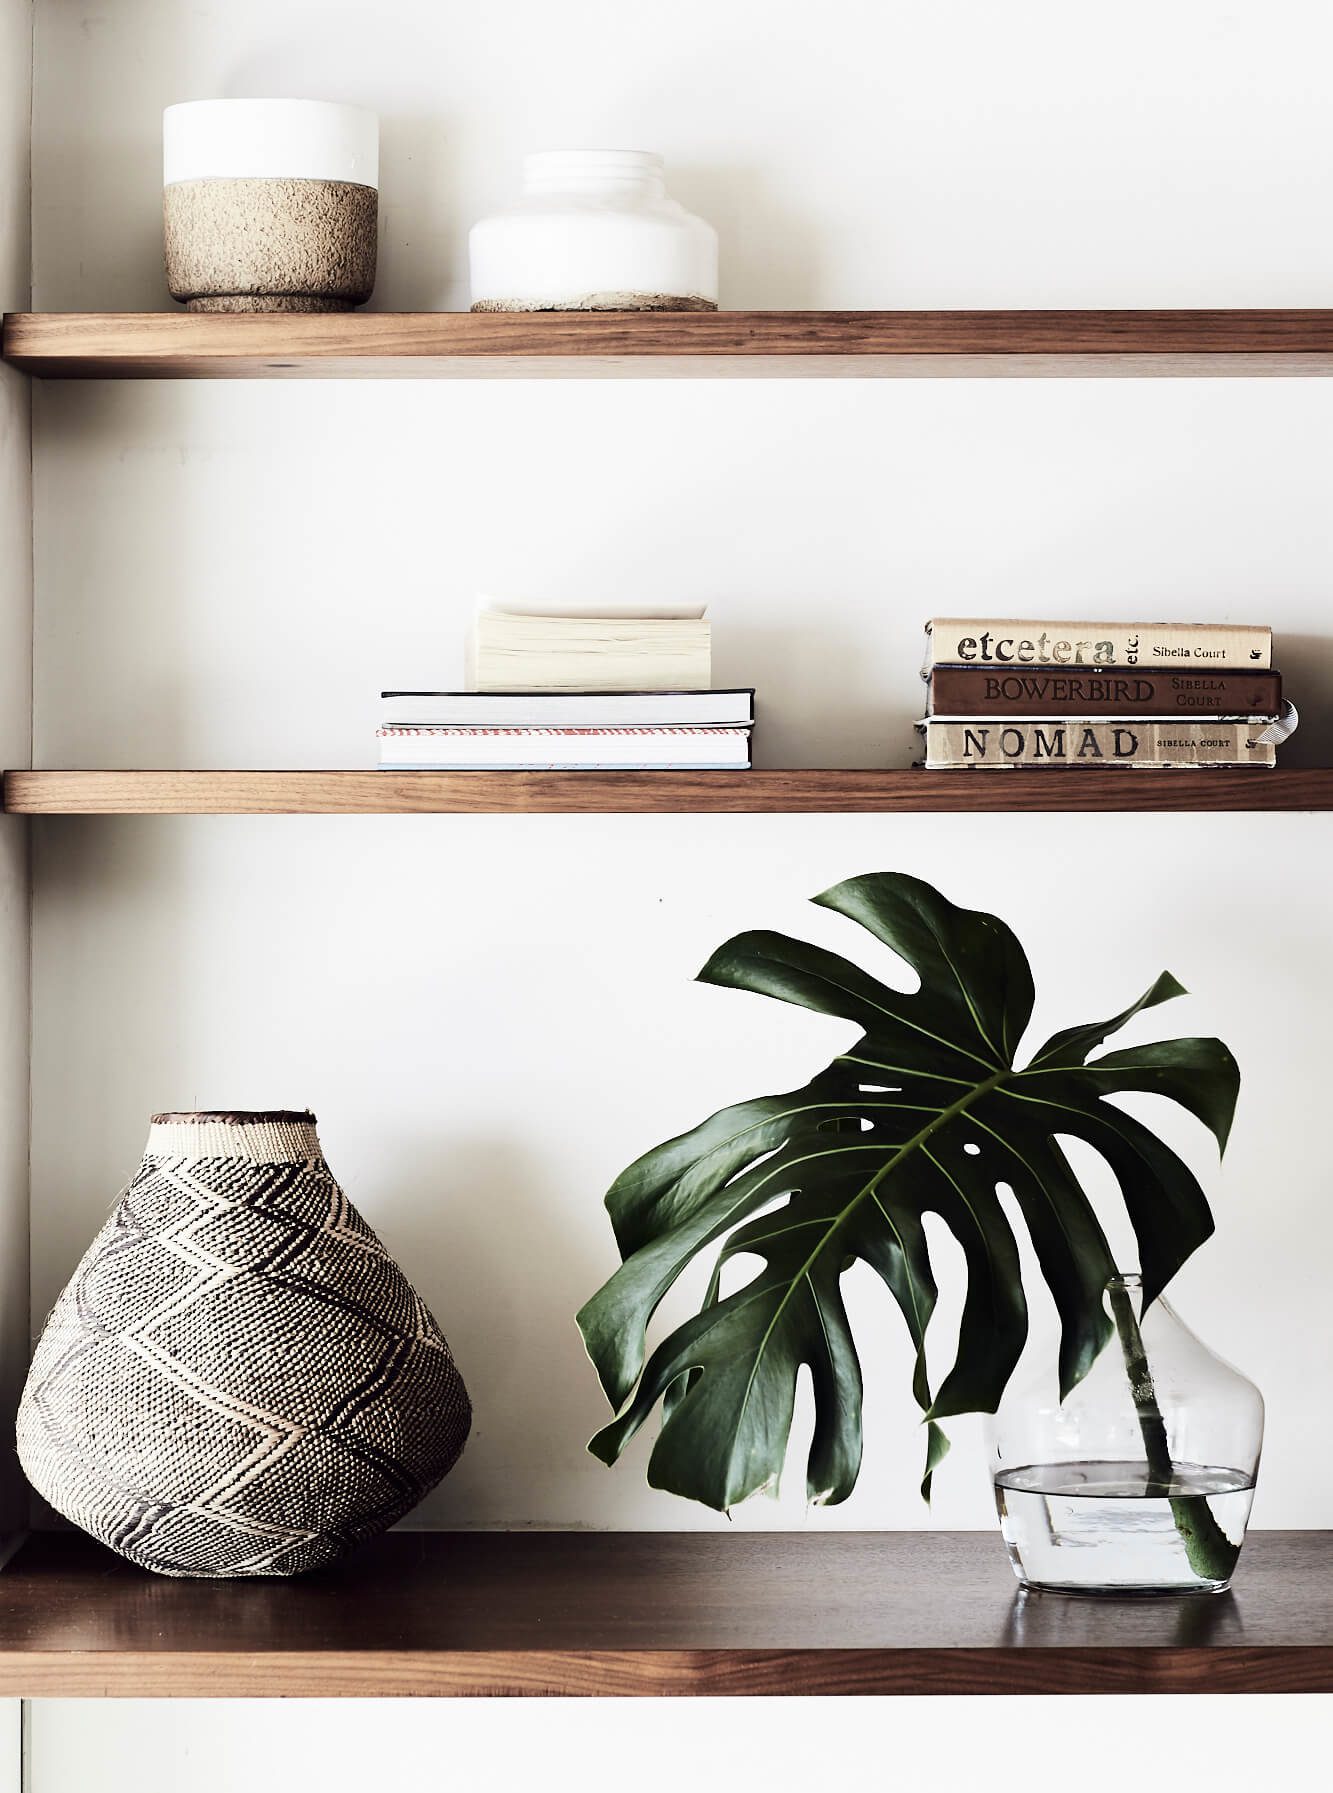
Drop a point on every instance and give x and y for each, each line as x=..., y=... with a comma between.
x=1306, y=662
x=423, y=230
x=504, y=1280
x=823, y=699
x=753, y=218
x=149, y=721
x=126, y=165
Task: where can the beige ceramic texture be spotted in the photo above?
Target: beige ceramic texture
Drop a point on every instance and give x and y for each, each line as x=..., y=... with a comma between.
x=270, y=245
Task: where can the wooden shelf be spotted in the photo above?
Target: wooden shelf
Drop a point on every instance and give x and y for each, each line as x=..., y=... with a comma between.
x=655, y=1613
x=601, y=793
x=181, y=345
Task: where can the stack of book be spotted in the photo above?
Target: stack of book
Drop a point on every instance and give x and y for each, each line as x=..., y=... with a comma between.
x=527, y=731
x=552, y=692
x=1151, y=695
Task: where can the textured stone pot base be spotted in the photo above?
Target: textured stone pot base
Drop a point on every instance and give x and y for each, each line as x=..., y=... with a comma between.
x=270, y=302
x=604, y=302
x=270, y=245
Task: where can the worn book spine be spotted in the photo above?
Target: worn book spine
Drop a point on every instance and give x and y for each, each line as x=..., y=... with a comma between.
x=1091, y=742
x=987, y=641
x=968, y=691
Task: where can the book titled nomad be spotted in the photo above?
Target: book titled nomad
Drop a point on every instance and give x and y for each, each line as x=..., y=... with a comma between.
x=973, y=641
x=1167, y=743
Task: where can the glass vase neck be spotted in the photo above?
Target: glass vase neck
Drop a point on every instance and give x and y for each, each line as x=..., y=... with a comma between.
x=1125, y=1299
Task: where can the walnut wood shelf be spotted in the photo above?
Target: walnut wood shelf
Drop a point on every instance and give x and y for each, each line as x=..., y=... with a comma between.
x=655, y=1613
x=412, y=345
x=601, y=793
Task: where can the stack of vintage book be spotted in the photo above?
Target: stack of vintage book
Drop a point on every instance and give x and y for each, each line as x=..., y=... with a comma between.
x=1143, y=695
x=559, y=693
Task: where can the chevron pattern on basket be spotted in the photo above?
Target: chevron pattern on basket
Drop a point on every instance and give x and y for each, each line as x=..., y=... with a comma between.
x=238, y=1379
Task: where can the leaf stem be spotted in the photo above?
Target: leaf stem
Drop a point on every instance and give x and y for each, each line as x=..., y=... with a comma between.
x=1209, y=1551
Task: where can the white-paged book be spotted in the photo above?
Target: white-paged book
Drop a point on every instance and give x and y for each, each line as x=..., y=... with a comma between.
x=568, y=709
x=563, y=749
x=510, y=653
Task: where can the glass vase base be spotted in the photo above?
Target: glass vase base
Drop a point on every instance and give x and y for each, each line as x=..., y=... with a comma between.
x=1114, y=1590
x=1106, y=1528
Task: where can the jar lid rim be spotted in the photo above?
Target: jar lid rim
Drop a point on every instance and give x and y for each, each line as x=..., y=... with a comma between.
x=623, y=158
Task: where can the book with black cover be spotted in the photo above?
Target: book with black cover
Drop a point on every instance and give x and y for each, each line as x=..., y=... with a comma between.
x=569, y=709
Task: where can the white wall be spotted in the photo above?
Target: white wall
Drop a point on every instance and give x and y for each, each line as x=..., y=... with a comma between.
x=493, y=1015
x=343, y=1745
x=858, y=153
x=15, y=743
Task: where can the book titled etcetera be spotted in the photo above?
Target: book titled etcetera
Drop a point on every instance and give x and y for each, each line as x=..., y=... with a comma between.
x=984, y=641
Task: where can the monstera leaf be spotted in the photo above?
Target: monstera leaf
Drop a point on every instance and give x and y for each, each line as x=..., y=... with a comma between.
x=927, y=1113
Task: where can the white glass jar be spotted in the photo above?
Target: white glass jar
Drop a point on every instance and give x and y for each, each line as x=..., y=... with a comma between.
x=594, y=230
x=270, y=205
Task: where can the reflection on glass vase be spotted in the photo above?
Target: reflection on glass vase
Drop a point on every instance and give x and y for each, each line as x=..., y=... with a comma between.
x=1141, y=1481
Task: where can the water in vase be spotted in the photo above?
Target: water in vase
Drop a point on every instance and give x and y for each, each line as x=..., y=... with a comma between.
x=1103, y=1526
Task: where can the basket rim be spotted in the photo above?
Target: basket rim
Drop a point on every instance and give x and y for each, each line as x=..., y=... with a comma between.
x=237, y=1117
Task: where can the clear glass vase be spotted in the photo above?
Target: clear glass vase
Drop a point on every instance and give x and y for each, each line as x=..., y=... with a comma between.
x=1141, y=1481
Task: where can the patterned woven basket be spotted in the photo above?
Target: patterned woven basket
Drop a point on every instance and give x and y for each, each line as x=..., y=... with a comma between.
x=238, y=1379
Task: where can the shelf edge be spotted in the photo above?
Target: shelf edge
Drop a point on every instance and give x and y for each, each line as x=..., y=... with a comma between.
x=600, y=1674
x=767, y=791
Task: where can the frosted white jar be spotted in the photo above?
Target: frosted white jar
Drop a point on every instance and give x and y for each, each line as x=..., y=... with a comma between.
x=594, y=230
x=270, y=205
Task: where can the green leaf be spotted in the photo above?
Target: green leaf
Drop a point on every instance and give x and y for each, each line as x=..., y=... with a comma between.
x=937, y=1449
x=1073, y=1045
x=928, y=1113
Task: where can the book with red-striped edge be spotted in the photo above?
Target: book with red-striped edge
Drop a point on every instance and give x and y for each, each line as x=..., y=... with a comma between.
x=655, y=748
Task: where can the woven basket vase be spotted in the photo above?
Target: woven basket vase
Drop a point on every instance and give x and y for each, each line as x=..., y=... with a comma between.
x=238, y=1379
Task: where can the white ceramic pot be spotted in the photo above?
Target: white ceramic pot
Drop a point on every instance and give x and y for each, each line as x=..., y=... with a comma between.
x=594, y=230
x=270, y=205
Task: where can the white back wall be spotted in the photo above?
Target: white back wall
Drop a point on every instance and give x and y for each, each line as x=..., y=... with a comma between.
x=493, y=1015
x=864, y=153
x=340, y=1745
